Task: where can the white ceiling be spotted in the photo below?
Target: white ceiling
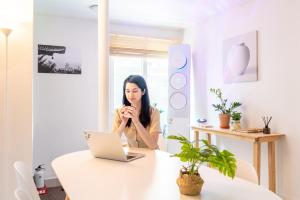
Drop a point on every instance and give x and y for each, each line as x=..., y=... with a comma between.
x=170, y=13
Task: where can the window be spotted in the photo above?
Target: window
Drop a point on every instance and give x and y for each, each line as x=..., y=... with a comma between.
x=143, y=56
x=153, y=69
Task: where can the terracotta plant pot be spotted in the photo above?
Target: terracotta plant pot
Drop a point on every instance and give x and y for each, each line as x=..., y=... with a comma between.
x=189, y=184
x=224, y=120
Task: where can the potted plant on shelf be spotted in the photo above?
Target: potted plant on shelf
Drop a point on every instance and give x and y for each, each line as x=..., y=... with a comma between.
x=189, y=180
x=235, y=120
x=225, y=110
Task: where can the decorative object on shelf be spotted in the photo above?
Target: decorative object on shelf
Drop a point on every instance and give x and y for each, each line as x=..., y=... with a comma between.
x=202, y=121
x=189, y=180
x=235, y=123
x=266, y=120
x=240, y=58
x=225, y=111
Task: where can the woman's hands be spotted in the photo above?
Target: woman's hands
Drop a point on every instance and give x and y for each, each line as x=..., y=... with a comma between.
x=133, y=114
x=129, y=112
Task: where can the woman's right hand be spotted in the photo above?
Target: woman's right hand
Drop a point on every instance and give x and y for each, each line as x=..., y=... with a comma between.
x=124, y=114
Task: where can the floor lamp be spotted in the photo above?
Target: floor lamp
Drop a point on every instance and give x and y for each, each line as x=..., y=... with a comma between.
x=6, y=32
x=4, y=135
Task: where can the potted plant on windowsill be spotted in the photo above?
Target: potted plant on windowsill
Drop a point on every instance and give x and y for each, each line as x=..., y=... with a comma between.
x=189, y=180
x=235, y=123
x=225, y=110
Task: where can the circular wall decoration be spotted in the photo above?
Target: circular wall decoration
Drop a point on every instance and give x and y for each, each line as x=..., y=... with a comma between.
x=178, y=60
x=178, y=101
x=177, y=81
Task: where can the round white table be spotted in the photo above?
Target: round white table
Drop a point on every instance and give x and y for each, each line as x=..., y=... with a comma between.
x=152, y=177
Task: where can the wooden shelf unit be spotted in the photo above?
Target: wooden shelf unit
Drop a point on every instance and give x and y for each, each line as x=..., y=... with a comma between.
x=255, y=138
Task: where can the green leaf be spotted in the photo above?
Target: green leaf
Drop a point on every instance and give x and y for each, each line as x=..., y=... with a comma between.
x=222, y=106
x=224, y=160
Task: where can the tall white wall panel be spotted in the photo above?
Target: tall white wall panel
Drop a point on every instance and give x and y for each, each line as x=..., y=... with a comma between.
x=179, y=93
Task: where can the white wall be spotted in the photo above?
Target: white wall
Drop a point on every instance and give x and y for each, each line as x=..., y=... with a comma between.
x=197, y=75
x=276, y=93
x=146, y=31
x=64, y=105
x=16, y=137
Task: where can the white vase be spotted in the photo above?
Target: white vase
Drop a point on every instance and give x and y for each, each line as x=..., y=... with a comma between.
x=238, y=59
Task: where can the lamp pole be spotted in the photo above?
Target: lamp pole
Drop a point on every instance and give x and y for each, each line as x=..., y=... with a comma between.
x=6, y=33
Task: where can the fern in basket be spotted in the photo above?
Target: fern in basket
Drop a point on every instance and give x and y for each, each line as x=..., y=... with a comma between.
x=223, y=160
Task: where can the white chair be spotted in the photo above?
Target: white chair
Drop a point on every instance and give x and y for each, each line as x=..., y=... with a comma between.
x=25, y=180
x=246, y=171
x=20, y=194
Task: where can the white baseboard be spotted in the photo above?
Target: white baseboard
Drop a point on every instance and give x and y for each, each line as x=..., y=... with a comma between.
x=52, y=182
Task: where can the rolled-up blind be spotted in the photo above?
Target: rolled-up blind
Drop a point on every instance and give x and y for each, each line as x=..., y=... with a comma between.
x=135, y=45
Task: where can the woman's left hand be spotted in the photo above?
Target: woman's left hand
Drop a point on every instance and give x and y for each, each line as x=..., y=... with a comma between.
x=133, y=113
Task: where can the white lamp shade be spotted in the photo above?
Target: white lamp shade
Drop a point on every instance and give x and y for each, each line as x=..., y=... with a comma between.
x=238, y=59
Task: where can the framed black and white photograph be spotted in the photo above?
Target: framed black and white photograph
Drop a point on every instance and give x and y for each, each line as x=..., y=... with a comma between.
x=58, y=59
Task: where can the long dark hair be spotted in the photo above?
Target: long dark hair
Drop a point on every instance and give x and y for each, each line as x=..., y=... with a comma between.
x=145, y=107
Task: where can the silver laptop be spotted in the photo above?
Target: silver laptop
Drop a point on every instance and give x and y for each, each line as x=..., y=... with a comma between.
x=108, y=146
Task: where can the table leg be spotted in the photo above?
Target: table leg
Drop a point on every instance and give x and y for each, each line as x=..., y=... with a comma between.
x=209, y=138
x=196, y=138
x=209, y=142
x=256, y=158
x=271, y=164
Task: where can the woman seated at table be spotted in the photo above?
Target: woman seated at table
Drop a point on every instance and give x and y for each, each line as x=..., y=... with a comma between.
x=136, y=118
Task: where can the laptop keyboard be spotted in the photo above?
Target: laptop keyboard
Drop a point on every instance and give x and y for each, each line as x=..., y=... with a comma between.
x=129, y=157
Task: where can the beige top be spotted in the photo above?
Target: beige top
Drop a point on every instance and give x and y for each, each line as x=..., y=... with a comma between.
x=133, y=138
